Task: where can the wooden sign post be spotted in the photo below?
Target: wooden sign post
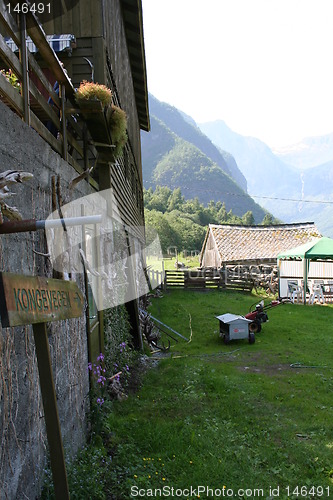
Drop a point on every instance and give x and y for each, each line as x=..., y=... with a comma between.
x=37, y=300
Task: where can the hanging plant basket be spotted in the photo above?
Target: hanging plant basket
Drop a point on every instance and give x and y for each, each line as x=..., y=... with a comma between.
x=93, y=100
x=107, y=123
x=93, y=92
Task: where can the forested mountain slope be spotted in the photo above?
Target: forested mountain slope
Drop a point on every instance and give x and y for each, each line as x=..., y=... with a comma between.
x=175, y=154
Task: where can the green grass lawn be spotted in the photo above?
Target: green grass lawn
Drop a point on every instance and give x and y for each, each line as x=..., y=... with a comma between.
x=211, y=420
x=190, y=262
x=253, y=418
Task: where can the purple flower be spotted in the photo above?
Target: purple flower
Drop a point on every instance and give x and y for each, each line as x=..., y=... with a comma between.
x=89, y=366
x=100, y=357
x=101, y=380
x=122, y=346
x=100, y=401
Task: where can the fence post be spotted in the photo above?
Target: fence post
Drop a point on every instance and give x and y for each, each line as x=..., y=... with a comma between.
x=163, y=276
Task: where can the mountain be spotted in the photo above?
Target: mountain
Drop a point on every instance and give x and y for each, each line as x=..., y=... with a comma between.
x=310, y=152
x=275, y=178
x=175, y=153
x=265, y=173
x=185, y=127
x=318, y=186
x=212, y=161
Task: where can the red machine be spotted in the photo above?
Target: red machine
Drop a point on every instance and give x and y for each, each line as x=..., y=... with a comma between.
x=259, y=315
x=235, y=327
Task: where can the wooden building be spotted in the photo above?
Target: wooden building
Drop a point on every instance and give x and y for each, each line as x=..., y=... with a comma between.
x=245, y=245
x=93, y=40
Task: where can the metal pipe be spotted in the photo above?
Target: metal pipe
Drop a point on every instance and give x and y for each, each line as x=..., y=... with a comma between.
x=22, y=226
x=168, y=327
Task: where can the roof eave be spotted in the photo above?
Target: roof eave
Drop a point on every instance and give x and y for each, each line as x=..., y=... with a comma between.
x=133, y=23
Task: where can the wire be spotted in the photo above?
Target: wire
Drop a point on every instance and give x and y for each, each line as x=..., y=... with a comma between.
x=292, y=199
x=245, y=195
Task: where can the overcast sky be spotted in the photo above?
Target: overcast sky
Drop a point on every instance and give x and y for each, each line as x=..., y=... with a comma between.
x=265, y=67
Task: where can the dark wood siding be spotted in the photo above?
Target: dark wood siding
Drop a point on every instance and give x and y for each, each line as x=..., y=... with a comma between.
x=83, y=20
x=78, y=67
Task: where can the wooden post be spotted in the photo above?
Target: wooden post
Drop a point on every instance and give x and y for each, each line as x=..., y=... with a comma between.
x=163, y=277
x=35, y=300
x=62, y=92
x=25, y=69
x=53, y=431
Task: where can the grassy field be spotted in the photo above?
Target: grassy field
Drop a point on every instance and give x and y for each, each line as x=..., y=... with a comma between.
x=241, y=420
x=211, y=420
x=190, y=262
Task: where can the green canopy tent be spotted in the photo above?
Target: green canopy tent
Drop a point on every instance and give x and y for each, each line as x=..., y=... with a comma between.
x=317, y=249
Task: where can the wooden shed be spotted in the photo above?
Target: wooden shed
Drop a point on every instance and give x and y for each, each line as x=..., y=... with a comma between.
x=231, y=244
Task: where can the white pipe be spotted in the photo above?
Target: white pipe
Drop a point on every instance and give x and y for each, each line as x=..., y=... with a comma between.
x=70, y=221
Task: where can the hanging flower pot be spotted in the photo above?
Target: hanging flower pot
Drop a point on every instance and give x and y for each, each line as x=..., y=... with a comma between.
x=107, y=123
x=90, y=91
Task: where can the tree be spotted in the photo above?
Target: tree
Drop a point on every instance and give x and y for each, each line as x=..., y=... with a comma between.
x=159, y=222
x=176, y=200
x=190, y=234
x=147, y=196
x=248, y=219
x=159, y=199
x=268, y=220
x=183, y=223
x=222, y=215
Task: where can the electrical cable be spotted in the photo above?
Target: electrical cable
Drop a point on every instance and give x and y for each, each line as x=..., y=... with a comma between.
x=245, y=195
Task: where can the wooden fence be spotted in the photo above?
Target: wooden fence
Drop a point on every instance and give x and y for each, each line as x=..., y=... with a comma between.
x=189, y=279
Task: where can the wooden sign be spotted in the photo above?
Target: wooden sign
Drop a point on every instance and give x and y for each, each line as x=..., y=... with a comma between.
x=34, y=299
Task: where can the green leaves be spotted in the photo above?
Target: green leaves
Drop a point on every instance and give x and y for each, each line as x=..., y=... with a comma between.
x=183, y=223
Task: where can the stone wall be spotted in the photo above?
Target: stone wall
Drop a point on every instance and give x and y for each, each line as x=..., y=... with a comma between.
x=23, y=443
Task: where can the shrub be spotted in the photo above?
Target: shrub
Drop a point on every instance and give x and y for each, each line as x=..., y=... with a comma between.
x=119, y=353
x=117, y=121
